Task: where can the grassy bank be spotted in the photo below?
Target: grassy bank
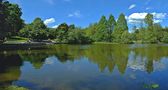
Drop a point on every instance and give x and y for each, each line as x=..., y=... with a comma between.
x=16, y=40
x=104, y=43
x=13, y=88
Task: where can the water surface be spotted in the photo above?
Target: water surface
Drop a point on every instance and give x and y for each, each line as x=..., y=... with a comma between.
x=86, y=67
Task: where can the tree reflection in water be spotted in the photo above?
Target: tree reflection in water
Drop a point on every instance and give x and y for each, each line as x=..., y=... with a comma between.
x=9, y=69
x=105, y=56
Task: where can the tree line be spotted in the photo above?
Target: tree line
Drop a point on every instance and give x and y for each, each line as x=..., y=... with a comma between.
x=106, y=30
x=116, y=31
x=64, y=33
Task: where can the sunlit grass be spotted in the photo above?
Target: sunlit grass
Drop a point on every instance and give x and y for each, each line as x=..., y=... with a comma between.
x=13, y=88
x=16, y=40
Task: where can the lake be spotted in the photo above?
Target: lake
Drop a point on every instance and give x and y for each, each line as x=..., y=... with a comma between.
x=86, y=67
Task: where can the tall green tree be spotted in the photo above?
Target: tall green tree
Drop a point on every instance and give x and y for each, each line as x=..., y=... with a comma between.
x=120, y=27
x=102, y=31
x=158, y=32
x=14, y=18
x=72, y=26
x=153, y=34
x=38, y=24
x=122, y=23
x=91, y=30
x=149, y=21
x=111, y=24
x=39, y=30
x=62, y=32
x=3, y=16
x=10, y=18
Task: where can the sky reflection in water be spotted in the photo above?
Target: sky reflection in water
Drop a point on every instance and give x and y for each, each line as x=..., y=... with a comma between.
x=86, y=67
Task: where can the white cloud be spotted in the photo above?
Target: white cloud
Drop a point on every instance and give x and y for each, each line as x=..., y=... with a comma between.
x=75, y=14
x=159, y=15
x=138, y=17
x=132, y=6
x=148, y=8
x=49, y=21
x=49, y=61
x=52, y=2
x=55, y=26
x=157, y=21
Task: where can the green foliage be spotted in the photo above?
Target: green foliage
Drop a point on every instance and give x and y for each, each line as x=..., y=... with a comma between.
x=38, y=24
x=122, y=23
x=26, y=31
x=91, y=30
x=106, y=30
x=117, y=32
x=126, y=37
x=151, y=86
x=149, y=21
x=165, y=37
x=71, y=27
x=10, y=18
x=101, y=33
x=36, y=30
x=152, y=33
x=110, y=26
x=62, y=33
x=77, y=36
x=52, y=33
x=120, y=28
x=39, y=35
x=158, y=32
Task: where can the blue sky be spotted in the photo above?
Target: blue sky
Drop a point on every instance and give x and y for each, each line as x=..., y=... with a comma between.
x=84, y=12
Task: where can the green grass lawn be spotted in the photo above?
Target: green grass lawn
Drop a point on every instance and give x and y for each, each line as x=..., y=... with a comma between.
x=104, y=43
x=16, y=40
x=13, y=88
